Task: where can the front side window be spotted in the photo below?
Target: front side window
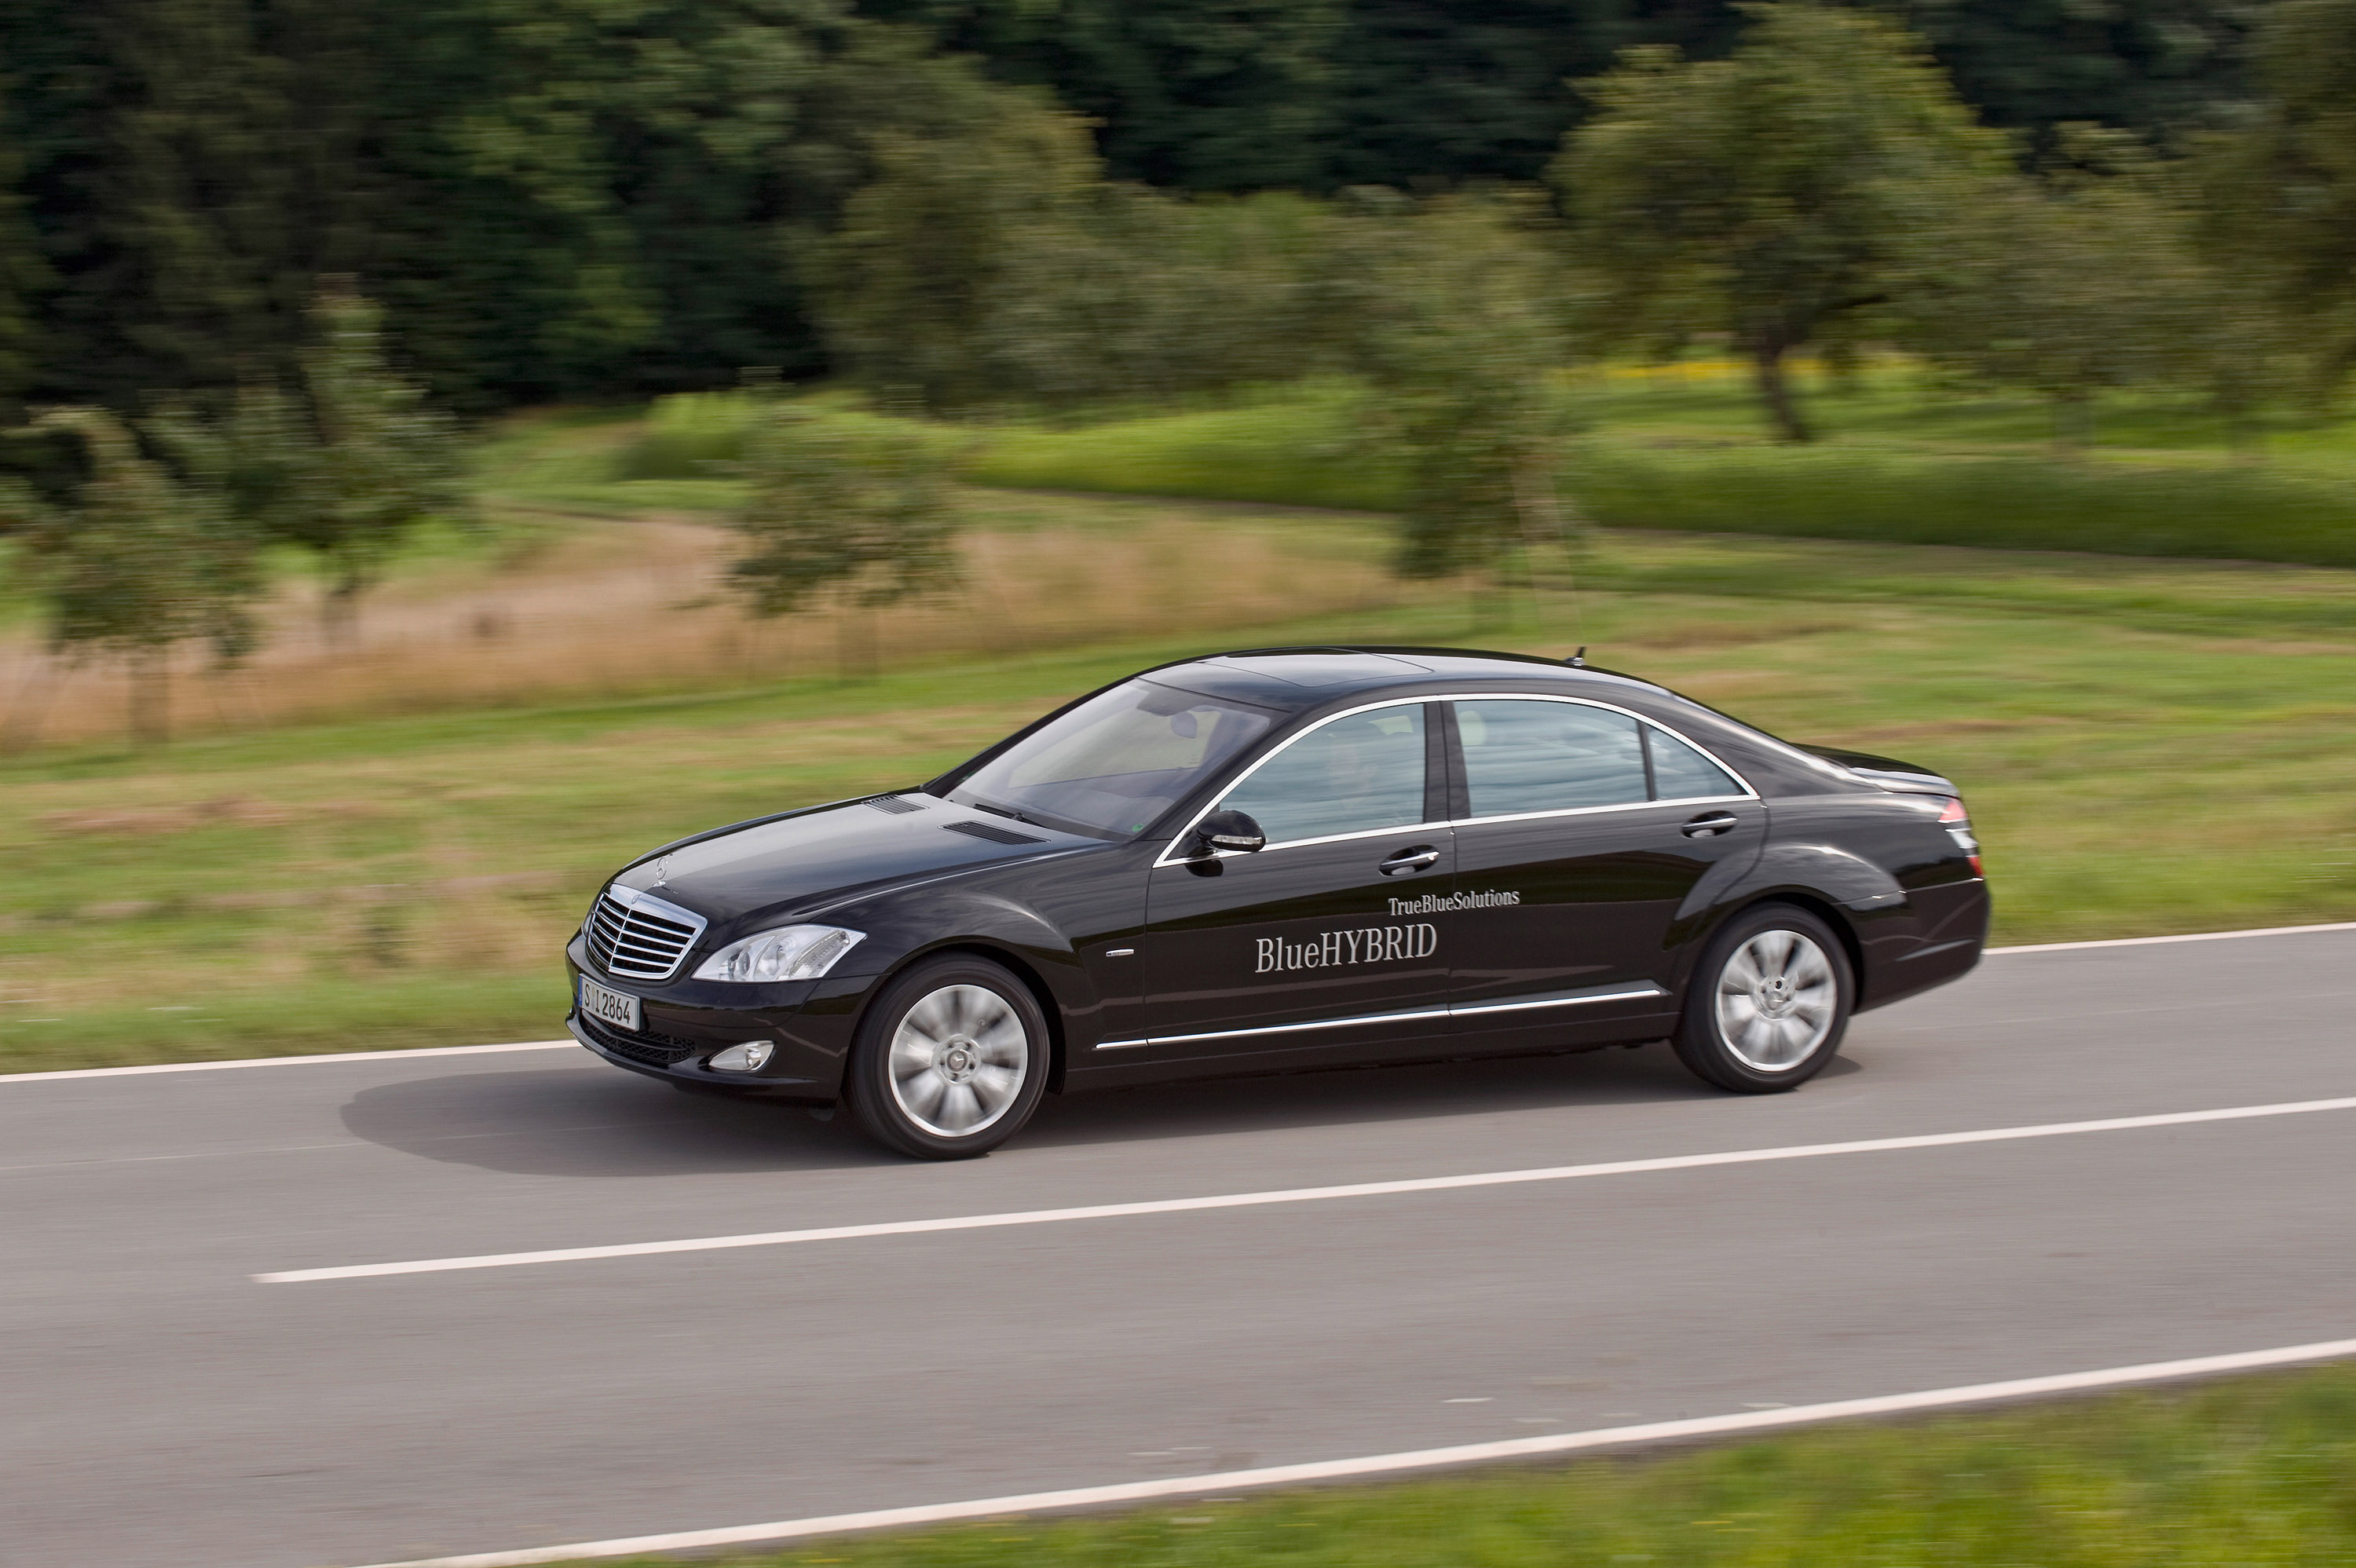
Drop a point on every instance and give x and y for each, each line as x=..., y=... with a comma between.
x=1355, y=774
x=1117, y=762
x=1523, y=756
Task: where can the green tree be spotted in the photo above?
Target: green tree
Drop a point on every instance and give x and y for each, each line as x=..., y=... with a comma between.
x=2079, y=281
x=346, y=465
x=1768, y=196
x=138, y=564
x=859, y=516
x=22, y=279
x=1227, y=95
x=906, y=286
x=1460, y=332
x=154, y=140
x=1129, y=293
x=2282, y=193
x=2157, y=67
x=2091, y=274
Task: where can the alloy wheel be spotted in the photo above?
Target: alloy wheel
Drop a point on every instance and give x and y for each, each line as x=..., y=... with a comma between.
x=958, y=1060
x=1777, y=999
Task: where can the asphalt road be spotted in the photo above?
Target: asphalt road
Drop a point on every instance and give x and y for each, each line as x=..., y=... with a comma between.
x=160, y=1407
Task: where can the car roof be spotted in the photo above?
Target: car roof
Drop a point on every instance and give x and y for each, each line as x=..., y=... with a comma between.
x=1300, y=677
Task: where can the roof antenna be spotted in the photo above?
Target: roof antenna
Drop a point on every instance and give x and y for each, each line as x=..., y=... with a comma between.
x=1578, y=659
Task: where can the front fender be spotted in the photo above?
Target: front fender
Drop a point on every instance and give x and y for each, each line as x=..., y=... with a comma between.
x=901, y=930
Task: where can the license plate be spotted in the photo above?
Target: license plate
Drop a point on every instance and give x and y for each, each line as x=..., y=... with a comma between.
x=609, y=1007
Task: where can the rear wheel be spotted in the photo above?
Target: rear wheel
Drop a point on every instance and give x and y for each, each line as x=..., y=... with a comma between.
x=1768, y=1002
x=951, y=1060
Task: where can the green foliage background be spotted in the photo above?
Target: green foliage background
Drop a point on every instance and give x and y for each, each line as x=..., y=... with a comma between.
x=568, y=199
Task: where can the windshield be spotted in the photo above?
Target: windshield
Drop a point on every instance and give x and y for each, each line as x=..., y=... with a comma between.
x=1117, y=762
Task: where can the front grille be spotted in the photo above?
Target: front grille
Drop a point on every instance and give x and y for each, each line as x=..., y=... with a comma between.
x=654, y=1050
x=639, y=936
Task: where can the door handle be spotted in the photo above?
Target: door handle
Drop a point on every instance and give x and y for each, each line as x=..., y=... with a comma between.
x=1710, y=823
x=1407, y=861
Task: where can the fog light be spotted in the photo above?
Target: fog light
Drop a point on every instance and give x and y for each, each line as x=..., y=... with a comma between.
x=749, y=1057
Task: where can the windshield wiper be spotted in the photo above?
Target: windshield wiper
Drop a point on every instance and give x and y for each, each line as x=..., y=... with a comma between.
x=980, y=804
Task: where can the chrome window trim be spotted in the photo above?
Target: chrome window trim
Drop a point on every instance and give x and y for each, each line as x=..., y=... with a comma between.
x=1588, y=810
x=1166, y=857
x=1446, y=1010
x=1751, y=791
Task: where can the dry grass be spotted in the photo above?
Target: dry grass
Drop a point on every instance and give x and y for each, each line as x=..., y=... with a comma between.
x=610, y=608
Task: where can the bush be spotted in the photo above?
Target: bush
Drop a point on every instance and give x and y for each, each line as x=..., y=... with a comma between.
x=688, y=436
x=2215, y=510
x=1301, y=450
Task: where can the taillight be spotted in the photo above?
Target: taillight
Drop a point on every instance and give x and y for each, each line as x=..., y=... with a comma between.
x=1958, y=823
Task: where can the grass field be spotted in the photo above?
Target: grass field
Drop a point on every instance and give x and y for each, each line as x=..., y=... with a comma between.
x=549, y=606
x=2147, y=747
x=1892, y=468
x=1905, y=459
x=2256, y=1473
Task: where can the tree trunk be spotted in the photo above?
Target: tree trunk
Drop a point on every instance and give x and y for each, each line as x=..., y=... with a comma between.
x=22, y=725
x=1775, y=390
x=1538, y=518
x=339, y=614
x=151, y=697
x=855, y=644
x=2073, y=423
x=1484, y=597
x=2246, y=432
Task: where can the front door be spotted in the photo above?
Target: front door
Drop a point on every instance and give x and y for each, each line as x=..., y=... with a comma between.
x=1583, y=830
x=1320, y=946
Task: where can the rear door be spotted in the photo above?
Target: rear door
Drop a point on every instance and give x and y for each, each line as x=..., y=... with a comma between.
x=1319, y=946
x=1582, y=831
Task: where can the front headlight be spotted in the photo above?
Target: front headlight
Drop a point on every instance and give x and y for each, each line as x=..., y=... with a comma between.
x=788, y=953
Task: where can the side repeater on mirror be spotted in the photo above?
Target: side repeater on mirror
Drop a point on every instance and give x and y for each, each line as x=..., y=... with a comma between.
x=1231, y=830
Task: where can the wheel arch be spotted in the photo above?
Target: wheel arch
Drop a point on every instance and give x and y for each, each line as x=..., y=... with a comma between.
x=1836, y=917
x=1051, y=1008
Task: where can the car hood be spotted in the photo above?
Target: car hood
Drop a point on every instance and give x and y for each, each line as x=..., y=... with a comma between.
x=839, y=848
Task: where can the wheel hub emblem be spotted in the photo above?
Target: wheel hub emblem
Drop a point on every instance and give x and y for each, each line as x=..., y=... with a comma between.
x=959, y=1059
x=1775, y=996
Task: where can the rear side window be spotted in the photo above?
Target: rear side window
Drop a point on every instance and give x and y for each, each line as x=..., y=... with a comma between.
x=1680, y=772
x=1521, y=756
x=1355, y=774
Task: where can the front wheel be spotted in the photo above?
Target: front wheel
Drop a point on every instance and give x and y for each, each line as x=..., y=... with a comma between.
x=1768, y=1002
x=951, y=1060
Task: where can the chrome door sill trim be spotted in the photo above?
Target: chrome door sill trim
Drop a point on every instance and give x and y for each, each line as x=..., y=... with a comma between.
x=1274, y=1028
x=1618, y=994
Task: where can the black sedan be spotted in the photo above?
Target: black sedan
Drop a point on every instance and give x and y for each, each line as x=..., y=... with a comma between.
x=1281, y=860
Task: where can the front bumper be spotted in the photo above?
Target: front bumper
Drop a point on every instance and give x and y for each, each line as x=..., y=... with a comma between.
x=687, y=1023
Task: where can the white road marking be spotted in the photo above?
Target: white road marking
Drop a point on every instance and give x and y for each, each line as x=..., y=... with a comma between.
x=2187, y=936
x=1386, y=1464
x=286, y=1061
x=561, y=1044
x=1299, y=1194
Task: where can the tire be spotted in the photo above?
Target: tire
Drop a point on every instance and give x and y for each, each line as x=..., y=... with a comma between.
x=949, y=1061
x=1768, y=1002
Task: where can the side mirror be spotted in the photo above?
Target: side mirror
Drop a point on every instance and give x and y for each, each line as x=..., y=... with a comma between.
x=1230, y=830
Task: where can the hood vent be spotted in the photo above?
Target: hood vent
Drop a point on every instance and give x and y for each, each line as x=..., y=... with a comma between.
x=893, y=804
x=992, y=832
